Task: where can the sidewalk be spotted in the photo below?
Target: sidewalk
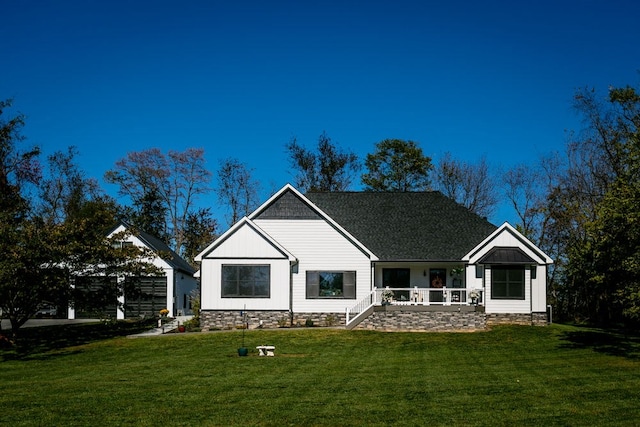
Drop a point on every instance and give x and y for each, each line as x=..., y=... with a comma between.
x=34, y=323
x=167, y=327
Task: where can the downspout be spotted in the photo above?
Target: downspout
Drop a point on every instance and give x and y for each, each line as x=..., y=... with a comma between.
x=531, y=295
x=175, y=293
x=293, y=267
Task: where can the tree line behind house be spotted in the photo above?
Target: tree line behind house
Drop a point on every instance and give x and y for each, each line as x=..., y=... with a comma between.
x=580, y=205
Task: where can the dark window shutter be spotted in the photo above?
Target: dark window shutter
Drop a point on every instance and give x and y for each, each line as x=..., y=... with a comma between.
x=349, y=284
x=313, y=284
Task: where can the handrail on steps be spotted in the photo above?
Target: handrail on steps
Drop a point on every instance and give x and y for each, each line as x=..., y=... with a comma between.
x=362, y=305
x=419, y=296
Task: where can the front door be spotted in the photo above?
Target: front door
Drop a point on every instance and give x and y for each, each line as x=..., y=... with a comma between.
x=437, y=280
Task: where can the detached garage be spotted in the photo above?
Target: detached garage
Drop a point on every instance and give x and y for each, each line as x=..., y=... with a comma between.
x=143, y=296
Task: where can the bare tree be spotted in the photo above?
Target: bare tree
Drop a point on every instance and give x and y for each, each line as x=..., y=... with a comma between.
x=471, y=185
x=177, y=179
x=327, y=169
x=236, y=189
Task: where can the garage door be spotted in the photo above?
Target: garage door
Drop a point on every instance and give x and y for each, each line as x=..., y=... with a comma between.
x=145, y=296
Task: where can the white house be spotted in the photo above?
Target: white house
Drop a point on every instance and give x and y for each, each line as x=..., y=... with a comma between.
x=172, y=291
x=370, y=260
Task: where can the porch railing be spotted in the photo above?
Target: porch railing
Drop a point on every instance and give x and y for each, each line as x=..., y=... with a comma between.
x=429, y=296
x=416, y=296
x=362, y=305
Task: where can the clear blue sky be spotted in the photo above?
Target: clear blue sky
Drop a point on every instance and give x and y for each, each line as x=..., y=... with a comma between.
x=241, y=78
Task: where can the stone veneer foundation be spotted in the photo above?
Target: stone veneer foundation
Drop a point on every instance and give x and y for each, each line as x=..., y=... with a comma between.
x=384, y=318
x=536, y=319
x=421, y=318
x=221, y=320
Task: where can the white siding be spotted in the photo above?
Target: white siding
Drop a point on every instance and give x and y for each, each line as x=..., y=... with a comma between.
x=506, y=239
x=535, y=289
x=245, y=243
x=211, y=299
x=319, y=247
x=471, y=280
x=539, y=295
x=185, y=285
x=245, y=247
x=509, y=305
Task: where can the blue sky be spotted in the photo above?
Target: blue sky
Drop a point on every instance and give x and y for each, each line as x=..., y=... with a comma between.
x=241, y=78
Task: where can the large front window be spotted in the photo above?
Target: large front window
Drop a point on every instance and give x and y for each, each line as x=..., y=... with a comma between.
x=251, y=281
x=507, y=282
x=331, y=284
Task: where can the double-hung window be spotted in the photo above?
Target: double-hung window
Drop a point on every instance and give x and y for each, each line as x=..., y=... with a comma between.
x=507, y=282
x=246, y=281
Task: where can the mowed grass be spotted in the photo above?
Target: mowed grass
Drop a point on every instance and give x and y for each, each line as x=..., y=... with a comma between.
x=510, y=375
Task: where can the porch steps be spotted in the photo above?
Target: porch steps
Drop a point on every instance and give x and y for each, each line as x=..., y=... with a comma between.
x=359, y=318
x=167, y=327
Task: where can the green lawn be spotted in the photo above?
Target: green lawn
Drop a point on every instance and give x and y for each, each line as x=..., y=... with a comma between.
x=511, y=375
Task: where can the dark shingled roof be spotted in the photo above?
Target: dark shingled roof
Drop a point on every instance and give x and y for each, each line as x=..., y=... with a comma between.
x=165, y=252
x=160, y=248
x=406, y=226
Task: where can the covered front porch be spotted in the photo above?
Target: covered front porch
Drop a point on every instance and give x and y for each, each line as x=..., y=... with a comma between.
x=443, y=296
x=426, y=283
x=434, y=285
x=416, y=299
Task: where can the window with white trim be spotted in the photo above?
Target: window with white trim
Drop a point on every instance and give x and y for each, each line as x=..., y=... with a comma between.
x=507, y=282
x=246, y=281
x=331, y=284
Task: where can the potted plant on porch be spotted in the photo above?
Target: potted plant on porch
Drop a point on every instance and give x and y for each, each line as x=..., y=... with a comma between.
x=474, y=295
x=387, y=296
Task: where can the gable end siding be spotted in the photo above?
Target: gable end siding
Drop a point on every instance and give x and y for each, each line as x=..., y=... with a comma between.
x=319, y=246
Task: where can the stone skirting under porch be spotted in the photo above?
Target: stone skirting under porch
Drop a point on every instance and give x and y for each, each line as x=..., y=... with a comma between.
x=443, y=318
x=425, y=318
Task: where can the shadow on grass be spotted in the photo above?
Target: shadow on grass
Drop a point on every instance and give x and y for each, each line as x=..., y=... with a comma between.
x=612, y=342
x=48, y=341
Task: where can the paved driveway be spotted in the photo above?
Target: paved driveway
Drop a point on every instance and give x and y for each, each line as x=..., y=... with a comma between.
x=32, y=323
